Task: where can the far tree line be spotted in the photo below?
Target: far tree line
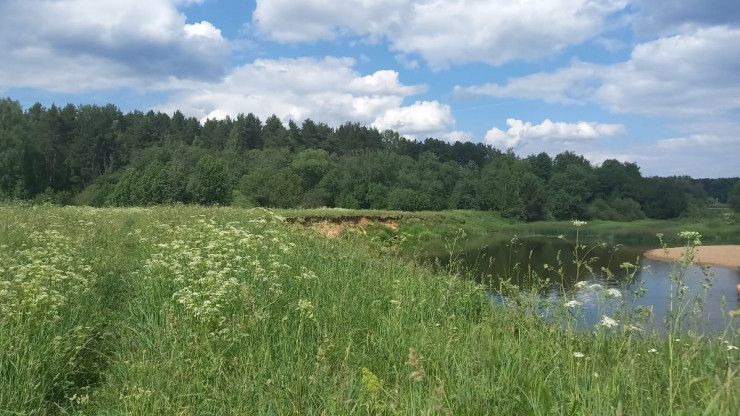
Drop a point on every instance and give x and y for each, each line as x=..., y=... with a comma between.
x=100, y=156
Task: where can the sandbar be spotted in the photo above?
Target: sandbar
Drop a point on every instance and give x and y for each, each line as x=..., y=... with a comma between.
x=718, y=256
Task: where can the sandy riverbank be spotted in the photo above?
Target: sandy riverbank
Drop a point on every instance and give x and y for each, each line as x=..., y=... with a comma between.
x=718, y=256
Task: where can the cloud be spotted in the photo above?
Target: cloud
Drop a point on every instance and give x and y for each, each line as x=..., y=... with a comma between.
x=689, y=74
x=457, y=136
x=704, y=155
x=423, y=118
x=670, y=16
x=521, y=134
x=443, y=32
x=575, y=84
x=406, y=62
x=79, y=45
x=314, y=20
x=327, y=90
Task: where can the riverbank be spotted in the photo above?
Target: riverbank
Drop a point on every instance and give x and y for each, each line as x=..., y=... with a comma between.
x=208, y=310
x=727, y=256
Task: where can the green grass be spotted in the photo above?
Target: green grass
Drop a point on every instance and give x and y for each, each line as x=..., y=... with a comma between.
x=425, y=227
x=188, y=310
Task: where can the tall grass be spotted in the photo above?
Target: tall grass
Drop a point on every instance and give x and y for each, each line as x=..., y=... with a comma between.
x=186, y=310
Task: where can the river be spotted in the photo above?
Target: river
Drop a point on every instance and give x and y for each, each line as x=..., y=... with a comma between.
x=605, y=284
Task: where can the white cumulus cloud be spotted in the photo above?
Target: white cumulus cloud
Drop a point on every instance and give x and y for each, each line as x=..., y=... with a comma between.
x=443, y=32
x=79, y=45
x=522, y=133
x=203, y=29
x=457, y=136
x=329, y=90
x=688, y=74
x=419, y=119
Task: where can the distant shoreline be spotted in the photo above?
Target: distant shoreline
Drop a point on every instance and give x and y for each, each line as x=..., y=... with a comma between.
x=718, y=256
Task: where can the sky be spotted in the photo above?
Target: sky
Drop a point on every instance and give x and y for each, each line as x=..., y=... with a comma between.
x=655, y=82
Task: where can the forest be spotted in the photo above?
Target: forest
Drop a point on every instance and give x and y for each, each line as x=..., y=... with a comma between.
x=100, y=156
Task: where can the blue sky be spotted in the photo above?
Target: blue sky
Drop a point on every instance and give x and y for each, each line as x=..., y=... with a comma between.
x=656, y=82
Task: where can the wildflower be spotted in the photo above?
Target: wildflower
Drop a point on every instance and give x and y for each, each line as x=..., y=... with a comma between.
x=305, y=307
x=691, y=236
x=634, y=328
x=581, y=284
x=607, y=322
x=578, y=223
x=731, y=347
x=372, y=383
x=613, y=293
x=653, y=351
x=572, y=304
x=578, y=355
x=596, y=286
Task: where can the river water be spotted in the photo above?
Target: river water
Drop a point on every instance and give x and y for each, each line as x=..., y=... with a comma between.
x=604, y=284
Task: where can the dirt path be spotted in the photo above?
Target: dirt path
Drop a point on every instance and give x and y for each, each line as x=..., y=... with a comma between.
x=718, y=256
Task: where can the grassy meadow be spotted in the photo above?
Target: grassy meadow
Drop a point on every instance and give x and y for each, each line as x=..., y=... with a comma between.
x=199, y=311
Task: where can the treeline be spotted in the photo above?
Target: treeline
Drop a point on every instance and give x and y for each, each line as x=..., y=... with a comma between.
x=97, y=155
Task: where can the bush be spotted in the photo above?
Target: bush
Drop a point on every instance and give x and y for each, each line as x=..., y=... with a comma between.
x=209, y=184
x=734, y=198
x=618, y=209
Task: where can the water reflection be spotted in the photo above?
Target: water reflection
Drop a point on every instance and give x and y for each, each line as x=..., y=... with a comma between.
x=545, y=266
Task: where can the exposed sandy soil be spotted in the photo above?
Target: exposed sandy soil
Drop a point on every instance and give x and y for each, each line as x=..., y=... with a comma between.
x=333, y=227
x=718, y=256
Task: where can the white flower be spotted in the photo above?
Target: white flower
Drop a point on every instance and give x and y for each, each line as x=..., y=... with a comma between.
x=596, y=287
x=633, y=328
x=578, y=223
x=607, y=322
x=581, y=284
x=579, y=354
x=731, y=347
x=613, y=293
x=572, y=304
x=689, y=234
x=305, y=308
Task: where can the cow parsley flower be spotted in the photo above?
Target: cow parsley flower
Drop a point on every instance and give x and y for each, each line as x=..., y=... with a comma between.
x=634, y=328
x=305, y=308
x=607, y=322
x=613, y=293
